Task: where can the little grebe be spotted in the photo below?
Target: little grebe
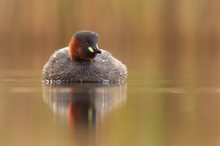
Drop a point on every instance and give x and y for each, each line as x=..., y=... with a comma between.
x=83, y=61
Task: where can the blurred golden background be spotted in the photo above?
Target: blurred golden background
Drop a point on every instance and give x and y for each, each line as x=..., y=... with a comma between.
x=161, y=38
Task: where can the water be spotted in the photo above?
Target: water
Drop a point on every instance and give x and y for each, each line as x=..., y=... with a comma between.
x=156, y=113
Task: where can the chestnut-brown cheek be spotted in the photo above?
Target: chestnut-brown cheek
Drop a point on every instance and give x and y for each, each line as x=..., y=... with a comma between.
x=73, y=45
x=80, y=53
x=76, y=51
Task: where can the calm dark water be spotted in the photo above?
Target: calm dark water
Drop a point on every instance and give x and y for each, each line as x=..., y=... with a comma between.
x=151, y=112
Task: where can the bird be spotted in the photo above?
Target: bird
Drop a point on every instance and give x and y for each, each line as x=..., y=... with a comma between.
x=83, y=61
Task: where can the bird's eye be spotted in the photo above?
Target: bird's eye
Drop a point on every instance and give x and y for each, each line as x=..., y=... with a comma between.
x=91, y=49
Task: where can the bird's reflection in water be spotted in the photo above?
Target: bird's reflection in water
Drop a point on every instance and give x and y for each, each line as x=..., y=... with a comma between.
x=84, y=104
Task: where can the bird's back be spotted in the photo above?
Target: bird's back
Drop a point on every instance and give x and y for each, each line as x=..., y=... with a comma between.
x=103, y=68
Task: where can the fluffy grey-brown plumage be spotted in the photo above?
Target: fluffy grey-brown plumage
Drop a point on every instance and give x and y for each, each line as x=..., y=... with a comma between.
x=104, y=67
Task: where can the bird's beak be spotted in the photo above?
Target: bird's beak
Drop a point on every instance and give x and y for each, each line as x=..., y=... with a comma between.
x=97, y=50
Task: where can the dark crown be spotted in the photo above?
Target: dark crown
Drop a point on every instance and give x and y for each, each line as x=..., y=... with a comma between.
x=87, y=37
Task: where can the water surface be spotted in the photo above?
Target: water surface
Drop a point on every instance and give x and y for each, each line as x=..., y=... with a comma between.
x=156, y=112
